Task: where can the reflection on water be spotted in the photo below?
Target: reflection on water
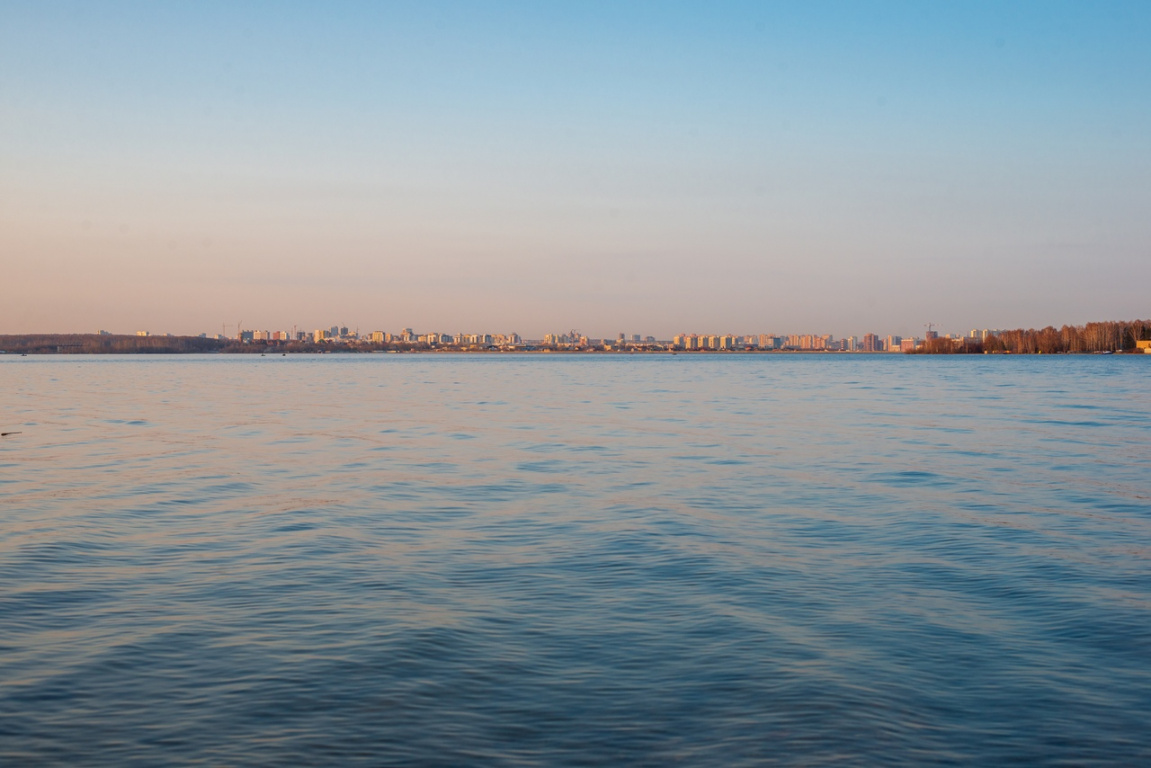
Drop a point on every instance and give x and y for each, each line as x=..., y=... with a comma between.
x=450, y=560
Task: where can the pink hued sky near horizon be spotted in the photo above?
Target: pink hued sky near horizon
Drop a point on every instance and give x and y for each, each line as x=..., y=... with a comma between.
x=734, y=168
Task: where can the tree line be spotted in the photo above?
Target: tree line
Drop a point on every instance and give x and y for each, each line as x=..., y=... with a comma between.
x=1105, y=336
x=107, y=344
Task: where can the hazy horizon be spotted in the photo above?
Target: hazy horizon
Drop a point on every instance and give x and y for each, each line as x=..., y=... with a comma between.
x=655, y=168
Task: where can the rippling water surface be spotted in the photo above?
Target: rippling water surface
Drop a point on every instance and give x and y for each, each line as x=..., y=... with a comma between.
x=500, y=560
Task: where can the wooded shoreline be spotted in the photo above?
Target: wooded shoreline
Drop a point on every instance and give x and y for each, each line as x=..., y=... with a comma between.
x=1106, y=336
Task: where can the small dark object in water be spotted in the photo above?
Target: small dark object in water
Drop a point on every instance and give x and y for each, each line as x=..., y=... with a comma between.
x=5, y=434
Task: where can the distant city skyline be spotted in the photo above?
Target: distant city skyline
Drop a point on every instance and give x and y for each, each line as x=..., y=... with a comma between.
x=295, y=330
x=575, y=339
x=1106, y=337
x=734, y=166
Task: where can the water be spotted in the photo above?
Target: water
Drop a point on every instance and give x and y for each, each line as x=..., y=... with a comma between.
x=516, y=561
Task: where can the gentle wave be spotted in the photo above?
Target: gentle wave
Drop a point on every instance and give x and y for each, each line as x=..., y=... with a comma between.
x=454, y=560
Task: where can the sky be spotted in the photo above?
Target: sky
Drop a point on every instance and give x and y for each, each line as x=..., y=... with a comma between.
x=637, y=167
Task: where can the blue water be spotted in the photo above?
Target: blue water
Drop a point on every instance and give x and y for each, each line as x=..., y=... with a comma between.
x=547, y=560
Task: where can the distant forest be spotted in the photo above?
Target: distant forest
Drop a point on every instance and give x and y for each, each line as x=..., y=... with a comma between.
x=1109, y=336
x=92, y=343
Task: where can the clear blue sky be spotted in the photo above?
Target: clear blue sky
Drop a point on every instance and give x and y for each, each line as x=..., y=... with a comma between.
x=640, y=167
